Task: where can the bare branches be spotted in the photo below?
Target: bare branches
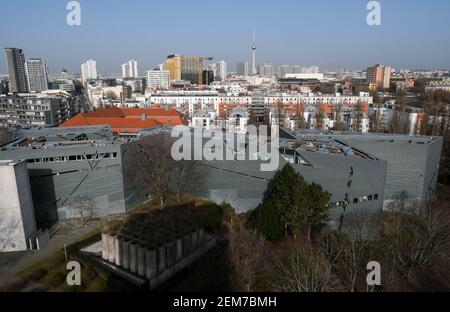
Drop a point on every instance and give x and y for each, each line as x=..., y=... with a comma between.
x=80, y=208
x=245, y=252
x=8, y=231
x=302, y=268
x=152, y=166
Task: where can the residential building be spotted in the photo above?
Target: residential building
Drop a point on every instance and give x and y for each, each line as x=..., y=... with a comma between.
x=37, y=75
x=158, y=79
x=41, y=109
x=89, y=70
x=379, y=77
x=242, y=68
x=15, y=61
x=222, y=70
x=130, y=69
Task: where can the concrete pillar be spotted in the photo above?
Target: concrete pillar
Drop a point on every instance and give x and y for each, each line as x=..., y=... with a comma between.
x=186, y=245
x=126, y=255
x=105, y=252
x=118, y=251
x=194, y=241
x=162, y=258
x=141, y=261
x=111, y=249
x=170, y=254
x=133, y=257
x=201, y=237
x=179, y=249
x=151, y=267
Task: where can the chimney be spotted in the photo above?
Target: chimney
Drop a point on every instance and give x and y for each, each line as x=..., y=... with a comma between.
x=144, y=117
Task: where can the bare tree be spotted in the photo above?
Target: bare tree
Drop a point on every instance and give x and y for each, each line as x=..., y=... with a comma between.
x=3, y=135
x=301, y=124
x=340, y=126
x=358, y=112
x=8, y=230
x=152, y=165
x=184, y=177
x=300, y=267
x=81, y=207
x=417, y=235
x=110, y=95
x=245, y=252
x=320, y=117
x=352, y=245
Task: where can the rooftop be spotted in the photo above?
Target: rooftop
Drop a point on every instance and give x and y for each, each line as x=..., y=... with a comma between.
x=127, y=119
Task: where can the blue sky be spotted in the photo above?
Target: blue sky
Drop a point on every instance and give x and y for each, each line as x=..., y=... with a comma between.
x=330, y=33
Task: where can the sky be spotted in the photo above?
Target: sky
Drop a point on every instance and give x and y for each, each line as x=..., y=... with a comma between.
x=332, y=34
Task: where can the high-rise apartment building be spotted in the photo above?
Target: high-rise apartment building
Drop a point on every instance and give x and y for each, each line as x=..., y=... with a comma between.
x=379, y=77
x=37, y=75
x=266, y=70
x=89, y=70
x=158, y=79
x=222, y=71
x=130, y=69
x=242, y=68
x=15, y=60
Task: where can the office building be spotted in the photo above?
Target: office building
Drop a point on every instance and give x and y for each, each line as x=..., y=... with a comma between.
x=89, y=70
x=37, y=75
x=189, y=68
x=15, y=60
x=130, y=69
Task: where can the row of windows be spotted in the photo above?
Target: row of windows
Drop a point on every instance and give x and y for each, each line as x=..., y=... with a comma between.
x=358, y=200
x=59, y=159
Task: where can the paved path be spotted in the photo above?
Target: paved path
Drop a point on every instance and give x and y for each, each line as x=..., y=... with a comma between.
x=13, y=263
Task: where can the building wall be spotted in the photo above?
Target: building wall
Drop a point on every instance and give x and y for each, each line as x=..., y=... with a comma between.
x=17, y=222
x=412, y=168
x=242, y=184
x=53, y=184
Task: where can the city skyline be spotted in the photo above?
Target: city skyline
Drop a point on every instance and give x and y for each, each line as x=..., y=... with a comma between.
x=290, y=32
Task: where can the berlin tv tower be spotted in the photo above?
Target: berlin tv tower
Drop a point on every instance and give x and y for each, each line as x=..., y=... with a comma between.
x=254, y=58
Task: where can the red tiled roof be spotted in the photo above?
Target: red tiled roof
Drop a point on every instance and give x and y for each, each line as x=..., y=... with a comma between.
x=126, y=119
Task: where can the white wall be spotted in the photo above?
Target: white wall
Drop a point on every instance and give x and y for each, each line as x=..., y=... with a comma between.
x=17, y=221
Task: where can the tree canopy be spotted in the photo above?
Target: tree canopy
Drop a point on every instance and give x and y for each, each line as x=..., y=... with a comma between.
x=290, y=205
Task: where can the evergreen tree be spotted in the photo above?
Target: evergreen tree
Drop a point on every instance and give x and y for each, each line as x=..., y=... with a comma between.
x=290, y=205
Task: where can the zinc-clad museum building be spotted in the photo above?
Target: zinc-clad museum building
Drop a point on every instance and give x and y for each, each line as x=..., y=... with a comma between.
x=360, y=172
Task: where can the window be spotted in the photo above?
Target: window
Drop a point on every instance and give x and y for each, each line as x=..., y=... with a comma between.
x=355, y=200
x=375, y=197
